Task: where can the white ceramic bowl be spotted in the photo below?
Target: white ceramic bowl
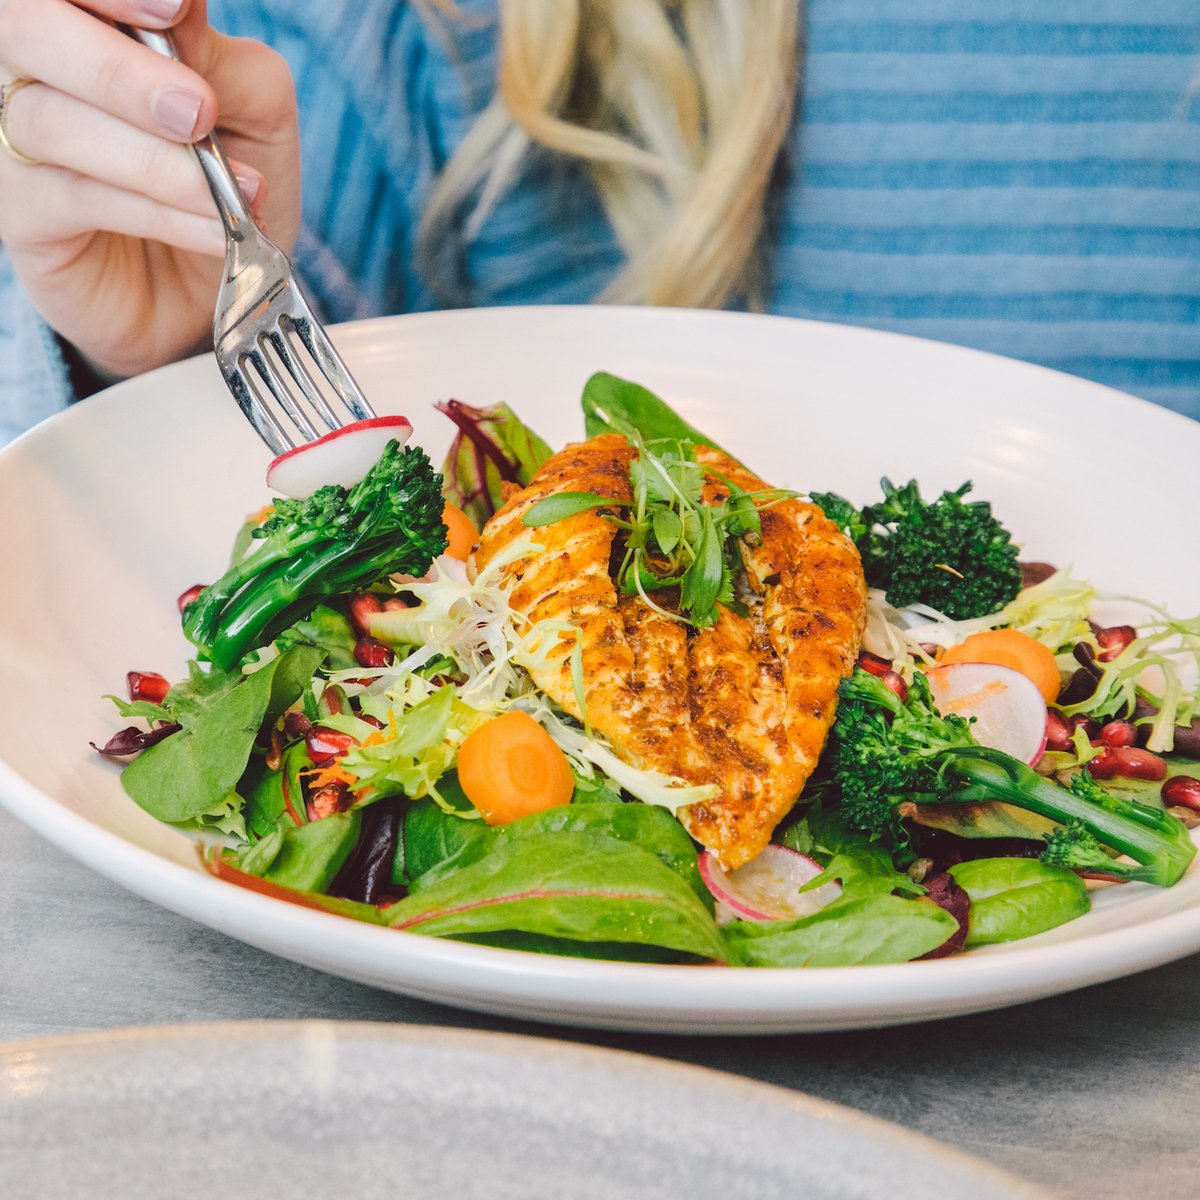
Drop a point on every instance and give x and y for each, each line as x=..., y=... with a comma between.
x=114, y=508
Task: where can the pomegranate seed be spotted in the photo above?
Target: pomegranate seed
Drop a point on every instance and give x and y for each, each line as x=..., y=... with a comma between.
x=370, y=720
x=324, y=745
x=874, y=665
x=1090, y=728
x=190, y=596
x=1127, y=762
x=1182, y=791
x=333, y=700
x=895, y=683
x=332, y=798
x=296, y=725
x=1118, y=733
x=1059, y=731
x=370, y=652
x=363, y=606
x=1113, y=640
x=147, y=685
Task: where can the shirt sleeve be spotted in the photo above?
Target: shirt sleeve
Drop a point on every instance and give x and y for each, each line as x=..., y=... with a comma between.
x=34, y=379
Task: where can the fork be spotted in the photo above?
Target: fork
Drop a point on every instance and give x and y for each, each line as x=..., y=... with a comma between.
x=258, y=306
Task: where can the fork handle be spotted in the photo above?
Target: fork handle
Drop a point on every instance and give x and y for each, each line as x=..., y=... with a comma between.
x=234, y=212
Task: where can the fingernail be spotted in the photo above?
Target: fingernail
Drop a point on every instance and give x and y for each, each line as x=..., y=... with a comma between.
x=160, y=10
x=249, y=183
x=177, y=111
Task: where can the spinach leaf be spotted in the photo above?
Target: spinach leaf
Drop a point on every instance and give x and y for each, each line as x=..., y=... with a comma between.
x=194, y=770
x=265, y=804
x=462, y=843
x=1015, y=898
x=861, y=866
x=305, y=857
x=879, y=928
x=614, y=405
x=583, y=886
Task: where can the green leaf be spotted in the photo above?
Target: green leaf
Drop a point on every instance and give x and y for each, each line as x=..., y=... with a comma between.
x=439, y=844
x=668, y=529
x=1014, y=898
x=702, y=580
x=265, y=804
x=309, y=856
x=849, y=932
x=614, y=405
x=194, y=770
x=566, y=504
x=862, y=867
x=581, y=886
x=329, y=631
x=493, y=447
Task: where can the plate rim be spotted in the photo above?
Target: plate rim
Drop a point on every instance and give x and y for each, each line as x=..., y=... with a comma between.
x=1178, y=932
x=502, y=1045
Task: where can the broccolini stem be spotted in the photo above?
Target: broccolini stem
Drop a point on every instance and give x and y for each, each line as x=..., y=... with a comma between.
x=1155, y=840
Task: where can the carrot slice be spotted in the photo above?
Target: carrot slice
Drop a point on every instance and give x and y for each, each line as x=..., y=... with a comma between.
x=1010, y=648
x=461, y=532
x=511, y=767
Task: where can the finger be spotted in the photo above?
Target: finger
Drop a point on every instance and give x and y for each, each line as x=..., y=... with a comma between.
x=148, y=14
x=51, y=205
x=69, y=49
x=61, y=131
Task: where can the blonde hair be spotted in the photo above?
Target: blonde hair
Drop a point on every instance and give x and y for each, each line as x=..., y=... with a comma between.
x=678, y=108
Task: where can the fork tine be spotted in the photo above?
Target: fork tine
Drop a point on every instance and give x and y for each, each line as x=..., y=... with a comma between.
x=259, y=414
x=278, y=387
x=299, y=372
x=317, y=343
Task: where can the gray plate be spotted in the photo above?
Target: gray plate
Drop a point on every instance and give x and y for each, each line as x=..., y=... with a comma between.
x=292, y=1110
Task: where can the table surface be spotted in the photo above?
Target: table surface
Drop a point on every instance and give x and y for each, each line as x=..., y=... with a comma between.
x=1094, y=1094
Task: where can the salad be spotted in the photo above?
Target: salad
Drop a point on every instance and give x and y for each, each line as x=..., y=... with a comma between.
x=405, y=707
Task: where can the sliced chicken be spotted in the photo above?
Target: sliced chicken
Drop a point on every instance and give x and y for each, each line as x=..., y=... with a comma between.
x=745, y=704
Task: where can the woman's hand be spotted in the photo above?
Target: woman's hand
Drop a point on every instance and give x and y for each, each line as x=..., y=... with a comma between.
x=114, y=232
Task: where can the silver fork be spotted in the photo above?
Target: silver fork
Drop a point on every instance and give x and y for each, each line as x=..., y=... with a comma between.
x=258, y=306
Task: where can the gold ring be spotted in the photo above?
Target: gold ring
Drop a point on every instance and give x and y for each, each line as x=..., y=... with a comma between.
x=7, y=92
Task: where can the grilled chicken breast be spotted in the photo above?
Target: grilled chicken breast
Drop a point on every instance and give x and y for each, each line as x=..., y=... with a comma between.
x=745, y=704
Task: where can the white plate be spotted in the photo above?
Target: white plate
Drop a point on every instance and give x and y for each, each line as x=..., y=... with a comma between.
x=115, y=507
x=301, y=1110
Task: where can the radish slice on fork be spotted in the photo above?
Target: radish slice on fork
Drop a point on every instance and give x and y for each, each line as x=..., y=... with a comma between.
x=343, y=456
x=1009, y=711
x=768, y=887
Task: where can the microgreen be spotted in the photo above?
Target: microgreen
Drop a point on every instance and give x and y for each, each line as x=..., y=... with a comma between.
x=673, y=537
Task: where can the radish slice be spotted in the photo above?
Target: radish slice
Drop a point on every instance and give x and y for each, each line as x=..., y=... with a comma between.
x=1009, y=711
x=768, y=887
x=343, y=457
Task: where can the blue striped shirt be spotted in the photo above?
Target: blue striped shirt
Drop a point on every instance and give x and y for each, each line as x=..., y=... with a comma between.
x=1004, y=174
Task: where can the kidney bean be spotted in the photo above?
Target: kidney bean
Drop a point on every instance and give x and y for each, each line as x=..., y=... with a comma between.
x=1119, y=733
x=296, y=724
x=1127, y=762
x=873, y=664
x=1113, y=640
x=147, y=685
x=1090, y=727
x=1183, y=791
x=1059, y=731
x=363, y=606
x=895, y=683
x=370, y=652
x=1033, y=573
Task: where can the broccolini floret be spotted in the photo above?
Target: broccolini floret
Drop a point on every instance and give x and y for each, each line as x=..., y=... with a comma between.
x=888, y=753
x=950, y=553
x=336, y=541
